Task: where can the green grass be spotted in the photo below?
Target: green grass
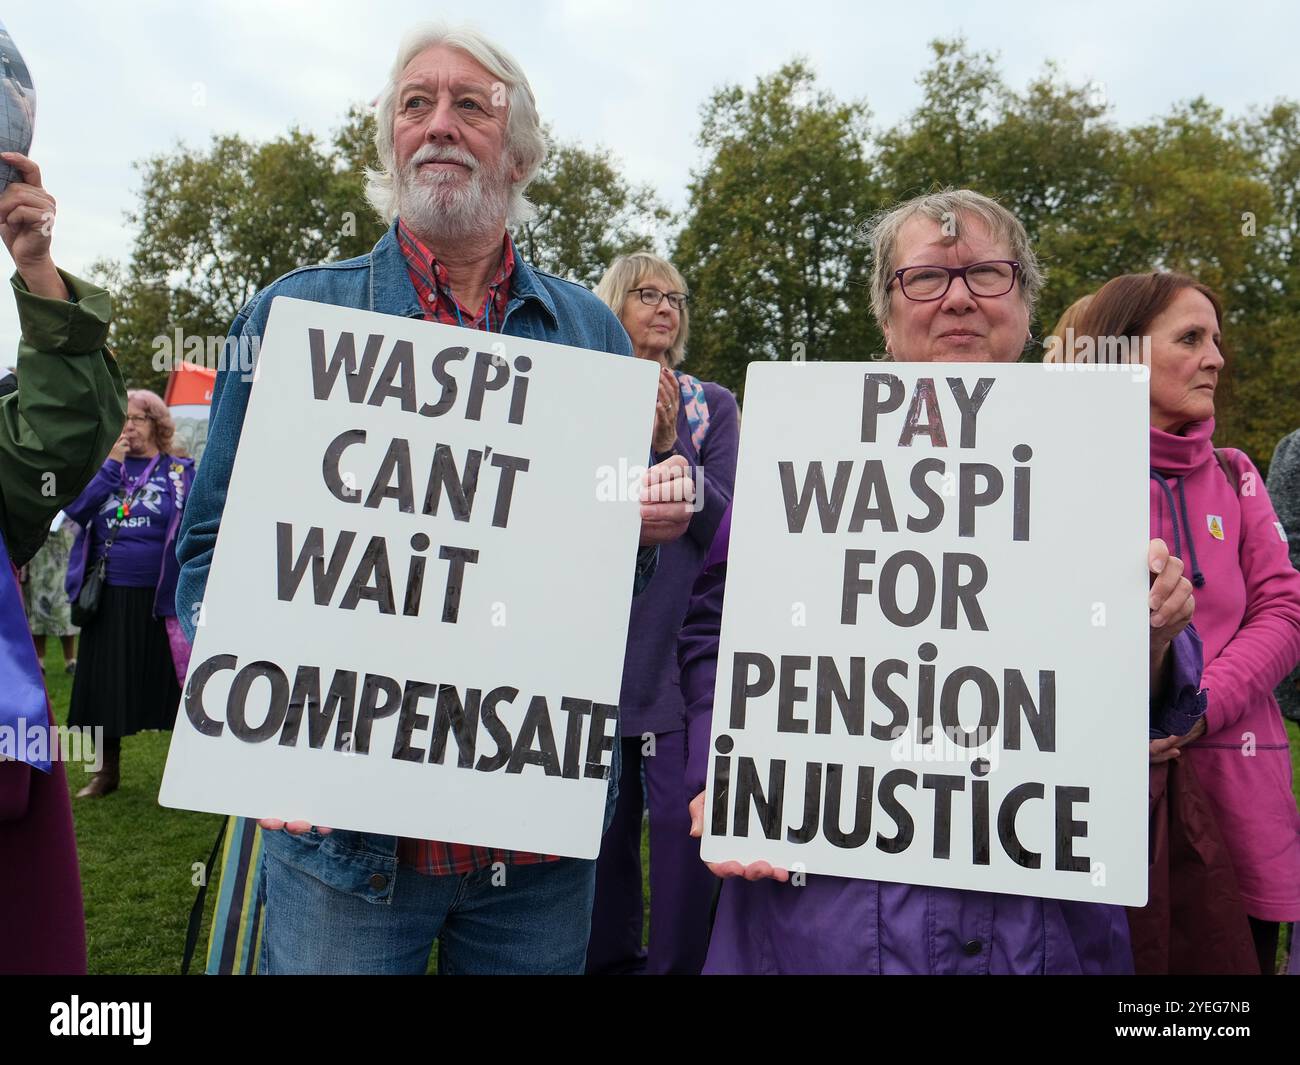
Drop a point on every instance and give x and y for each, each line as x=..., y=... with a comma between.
x=138, y=859
x=1293, y=733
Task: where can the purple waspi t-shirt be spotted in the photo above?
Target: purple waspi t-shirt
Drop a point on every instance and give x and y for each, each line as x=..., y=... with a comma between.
x=136, y=557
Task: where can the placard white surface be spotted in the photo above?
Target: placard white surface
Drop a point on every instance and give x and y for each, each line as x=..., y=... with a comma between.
x=1062, y=608
x=542, y=611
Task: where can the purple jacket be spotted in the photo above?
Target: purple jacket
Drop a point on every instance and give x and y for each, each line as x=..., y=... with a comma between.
x=651, y=699
x=840, y=925
x=83, y=509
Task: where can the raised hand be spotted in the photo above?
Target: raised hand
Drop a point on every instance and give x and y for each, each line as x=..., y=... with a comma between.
x=26, y=227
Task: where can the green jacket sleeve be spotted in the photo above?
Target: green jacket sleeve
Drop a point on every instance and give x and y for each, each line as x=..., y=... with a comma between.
x=56, y=430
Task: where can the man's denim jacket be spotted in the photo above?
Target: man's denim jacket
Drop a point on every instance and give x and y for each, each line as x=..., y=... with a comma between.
x=541, y=307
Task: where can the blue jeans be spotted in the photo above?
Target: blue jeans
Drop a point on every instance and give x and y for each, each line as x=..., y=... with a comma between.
x=536, y=921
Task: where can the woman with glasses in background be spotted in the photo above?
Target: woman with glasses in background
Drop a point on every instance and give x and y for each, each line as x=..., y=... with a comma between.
x=132, y=653
x=698, y=420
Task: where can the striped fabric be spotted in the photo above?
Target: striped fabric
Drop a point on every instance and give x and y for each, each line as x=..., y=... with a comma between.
x=236, y=937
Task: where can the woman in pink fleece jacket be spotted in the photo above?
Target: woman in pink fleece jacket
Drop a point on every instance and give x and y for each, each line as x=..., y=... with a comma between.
x=1211, y=507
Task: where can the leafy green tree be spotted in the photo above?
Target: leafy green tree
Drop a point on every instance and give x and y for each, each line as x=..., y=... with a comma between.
x=771, y=241
x=214, y=225
x=772, y=246
x=946, y=139
x=1191, y=191
x=1262, y=401
x=1046, y=154
x=1180, y=190
x=587, y=214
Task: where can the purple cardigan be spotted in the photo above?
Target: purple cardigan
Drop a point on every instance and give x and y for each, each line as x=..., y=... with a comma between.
x=841, y=925
x=42, y=924
x=651, y=699
x=83, y=509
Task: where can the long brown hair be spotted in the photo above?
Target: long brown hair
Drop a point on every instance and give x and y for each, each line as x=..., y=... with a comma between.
x=1126, y=306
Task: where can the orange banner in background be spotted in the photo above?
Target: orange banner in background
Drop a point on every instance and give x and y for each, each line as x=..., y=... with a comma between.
x=190, y=386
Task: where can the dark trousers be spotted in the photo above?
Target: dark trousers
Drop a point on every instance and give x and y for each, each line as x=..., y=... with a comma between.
x=681, y=886
x=1265, y=935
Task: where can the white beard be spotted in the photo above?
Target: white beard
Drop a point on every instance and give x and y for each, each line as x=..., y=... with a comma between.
x=443, y=207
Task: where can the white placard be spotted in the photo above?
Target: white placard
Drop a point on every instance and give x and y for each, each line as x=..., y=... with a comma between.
x=471, y=695
x=976, y=552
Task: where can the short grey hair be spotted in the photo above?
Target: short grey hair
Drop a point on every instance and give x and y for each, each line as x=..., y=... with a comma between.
x=630, y=271
x=944, y=207
x=525, y=141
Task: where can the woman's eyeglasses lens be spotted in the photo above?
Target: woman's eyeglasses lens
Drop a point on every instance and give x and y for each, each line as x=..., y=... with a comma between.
x=651, y=297
x=983, y=279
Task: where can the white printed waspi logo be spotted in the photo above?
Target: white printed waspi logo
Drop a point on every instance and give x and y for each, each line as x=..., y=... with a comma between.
x=102, y=1018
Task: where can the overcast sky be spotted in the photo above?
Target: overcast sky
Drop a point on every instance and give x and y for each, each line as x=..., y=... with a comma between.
x=119, y=81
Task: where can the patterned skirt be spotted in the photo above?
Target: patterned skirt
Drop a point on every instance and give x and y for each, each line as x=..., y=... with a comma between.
x=43, y=592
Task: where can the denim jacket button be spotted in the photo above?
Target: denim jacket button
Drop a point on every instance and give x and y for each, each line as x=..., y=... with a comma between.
x=378, y=881
x=972, y=947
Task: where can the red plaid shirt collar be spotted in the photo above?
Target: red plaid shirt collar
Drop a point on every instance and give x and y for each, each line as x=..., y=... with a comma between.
x=433, y=285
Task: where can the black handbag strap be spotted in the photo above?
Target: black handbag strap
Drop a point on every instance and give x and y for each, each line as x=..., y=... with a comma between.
x=196, y=911
x=1228, y=471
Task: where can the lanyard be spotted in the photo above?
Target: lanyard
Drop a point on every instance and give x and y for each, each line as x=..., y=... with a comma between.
x=430, y=276
x=124, y=509
x=455, y=303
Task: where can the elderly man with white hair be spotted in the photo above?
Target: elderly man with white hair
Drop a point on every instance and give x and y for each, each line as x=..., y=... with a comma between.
x=459, y=140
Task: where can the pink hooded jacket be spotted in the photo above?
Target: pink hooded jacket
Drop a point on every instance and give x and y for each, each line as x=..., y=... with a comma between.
x=1248, y=614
